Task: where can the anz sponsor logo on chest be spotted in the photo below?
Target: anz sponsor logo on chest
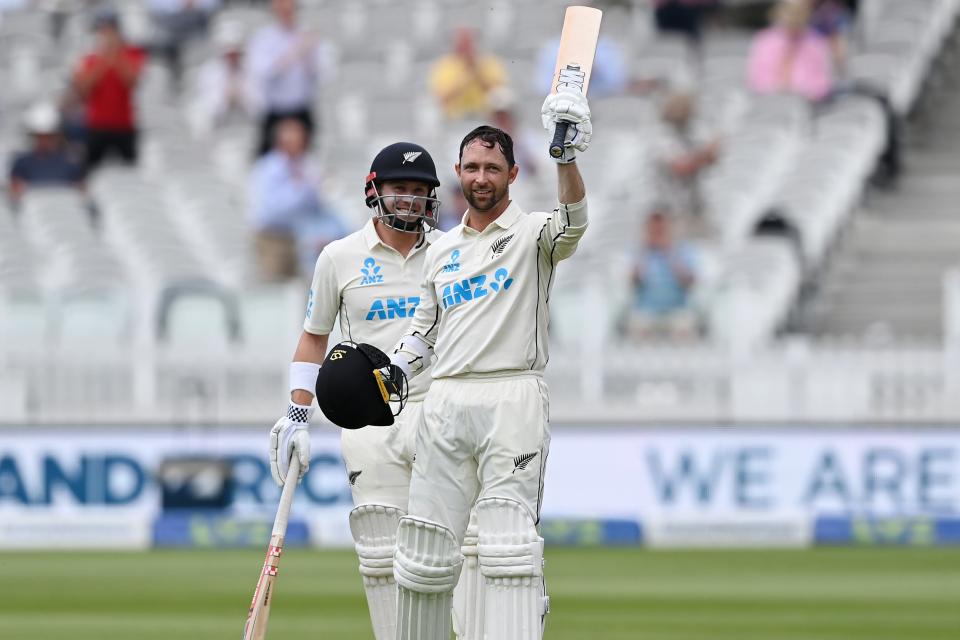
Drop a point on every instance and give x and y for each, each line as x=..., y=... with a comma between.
x=454, y=264
x=370, y=272
x=471, y=289
x=390, y=308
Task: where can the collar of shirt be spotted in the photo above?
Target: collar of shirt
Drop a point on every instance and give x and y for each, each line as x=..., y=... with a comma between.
x=505, y=220
x=371, y=238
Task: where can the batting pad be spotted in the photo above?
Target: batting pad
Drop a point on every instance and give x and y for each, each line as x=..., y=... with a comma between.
x=468, y=596
x=374, y=529
x=511, y=560
x=426, y=567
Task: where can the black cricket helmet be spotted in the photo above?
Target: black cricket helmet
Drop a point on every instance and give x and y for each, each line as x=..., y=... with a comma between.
x=352, y=392
x=404, y=161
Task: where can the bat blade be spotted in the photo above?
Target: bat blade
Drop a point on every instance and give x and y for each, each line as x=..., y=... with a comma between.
x=578, y=45
x=259, y=613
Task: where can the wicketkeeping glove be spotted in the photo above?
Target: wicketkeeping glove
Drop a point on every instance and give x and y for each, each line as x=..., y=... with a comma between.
x=568, y=105
x=290, y=437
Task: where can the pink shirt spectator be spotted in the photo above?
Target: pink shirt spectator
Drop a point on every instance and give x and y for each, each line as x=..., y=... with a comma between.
x=780, y=62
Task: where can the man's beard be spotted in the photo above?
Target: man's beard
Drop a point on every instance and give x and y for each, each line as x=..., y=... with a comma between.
x=494, y=199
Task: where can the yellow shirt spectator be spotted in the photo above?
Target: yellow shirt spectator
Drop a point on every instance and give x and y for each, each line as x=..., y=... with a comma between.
x=462, y=80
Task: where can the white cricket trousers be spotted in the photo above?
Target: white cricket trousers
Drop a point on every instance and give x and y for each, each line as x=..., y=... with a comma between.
x=379, y=459
x=480, y=438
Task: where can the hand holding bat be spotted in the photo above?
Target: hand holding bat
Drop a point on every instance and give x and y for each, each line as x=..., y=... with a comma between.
x=565, y=112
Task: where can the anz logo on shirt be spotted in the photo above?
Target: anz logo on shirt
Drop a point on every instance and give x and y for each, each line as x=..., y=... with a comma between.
x=370, y=272
x=454, y=264
x=390, y=308
x=471, y=289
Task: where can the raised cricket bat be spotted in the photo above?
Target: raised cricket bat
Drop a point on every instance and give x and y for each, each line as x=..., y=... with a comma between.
x=578, y=44
x=256, y=626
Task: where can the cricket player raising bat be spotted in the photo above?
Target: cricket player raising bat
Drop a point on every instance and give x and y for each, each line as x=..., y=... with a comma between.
x=484, y=434
x=370, y=279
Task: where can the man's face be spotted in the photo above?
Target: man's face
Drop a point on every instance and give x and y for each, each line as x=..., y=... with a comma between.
x=405, y=198
x=45, y=142
x=109, y=37
x=291, y=137
x=285, y=10
x=484, y=175
x=658, y=231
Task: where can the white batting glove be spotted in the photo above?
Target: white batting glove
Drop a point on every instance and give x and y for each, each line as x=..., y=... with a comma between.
x=290, y=437
x=568, y=105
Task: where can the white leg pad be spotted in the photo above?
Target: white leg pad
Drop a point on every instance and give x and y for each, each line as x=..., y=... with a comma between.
x=511, y=560
x=426, y=566
x=468, y=596
x=374, y=529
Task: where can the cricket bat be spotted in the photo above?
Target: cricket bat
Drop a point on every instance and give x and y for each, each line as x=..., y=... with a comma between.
x=578, y=44
x=256, y=626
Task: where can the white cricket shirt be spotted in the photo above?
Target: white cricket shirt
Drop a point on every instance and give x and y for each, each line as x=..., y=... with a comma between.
x=372, y=288
x=484, y=298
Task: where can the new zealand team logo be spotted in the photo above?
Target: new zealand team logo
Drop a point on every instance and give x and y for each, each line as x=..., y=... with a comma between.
x=499, y=245
x=454, y=264
x=370, y=272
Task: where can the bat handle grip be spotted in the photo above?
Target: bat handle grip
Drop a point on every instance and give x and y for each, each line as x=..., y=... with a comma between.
x=559, y=135
x=286, y=497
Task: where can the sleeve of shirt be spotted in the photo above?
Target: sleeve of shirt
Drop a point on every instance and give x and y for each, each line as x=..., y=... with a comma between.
x=561, y=230
x=414, y=351
x=323, y=301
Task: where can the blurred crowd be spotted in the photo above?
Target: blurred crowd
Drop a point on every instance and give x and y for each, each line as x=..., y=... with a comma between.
x=267, y=80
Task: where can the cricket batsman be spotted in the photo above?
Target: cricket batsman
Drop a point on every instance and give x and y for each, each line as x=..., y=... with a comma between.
x=370, y=281
x=484, y=436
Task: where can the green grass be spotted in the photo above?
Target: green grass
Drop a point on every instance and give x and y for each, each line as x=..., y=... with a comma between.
x=609, y=594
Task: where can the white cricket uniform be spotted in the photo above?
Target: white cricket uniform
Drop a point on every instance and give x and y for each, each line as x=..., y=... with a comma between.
x=484, y=309
x=374, y=290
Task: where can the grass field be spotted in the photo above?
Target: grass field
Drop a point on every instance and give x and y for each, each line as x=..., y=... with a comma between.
x=609, y=594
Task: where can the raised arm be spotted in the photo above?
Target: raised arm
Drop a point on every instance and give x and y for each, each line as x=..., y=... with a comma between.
x=569, y=222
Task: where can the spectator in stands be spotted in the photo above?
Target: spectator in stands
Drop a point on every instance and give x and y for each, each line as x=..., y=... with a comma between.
x=284, y=65
x=833, y=20
x=222, y=94
x=177, y=22
x=525, y=143
x=682, y=156
x=663, y=275
x=452, y=207
x=287, y=209
x=684, y=17
x=105, y=80
x=46, y=163
x=463, y=80
x=790, y=56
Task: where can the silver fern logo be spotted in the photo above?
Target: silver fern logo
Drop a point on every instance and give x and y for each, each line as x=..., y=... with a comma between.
x=499, y=245
x=521, y=461
x=353, y=475
x=411, y=156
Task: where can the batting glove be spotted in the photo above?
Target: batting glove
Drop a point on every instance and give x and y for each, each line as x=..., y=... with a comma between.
x=290, y=437
x=568, y=105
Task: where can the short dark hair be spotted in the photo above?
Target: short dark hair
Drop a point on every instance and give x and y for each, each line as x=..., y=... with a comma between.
x=491, y=137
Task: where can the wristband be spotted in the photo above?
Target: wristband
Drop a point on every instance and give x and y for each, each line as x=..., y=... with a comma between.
x=303, y=375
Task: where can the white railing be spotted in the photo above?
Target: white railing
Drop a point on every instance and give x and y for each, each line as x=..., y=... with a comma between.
x=795, y=381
